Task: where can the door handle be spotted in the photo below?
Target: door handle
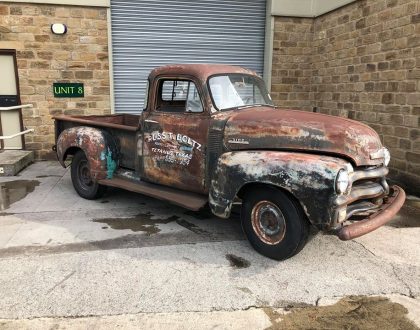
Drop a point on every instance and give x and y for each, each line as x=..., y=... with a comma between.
x=151, y=121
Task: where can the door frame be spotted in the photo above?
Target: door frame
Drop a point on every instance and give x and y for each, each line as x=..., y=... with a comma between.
x=12, y=52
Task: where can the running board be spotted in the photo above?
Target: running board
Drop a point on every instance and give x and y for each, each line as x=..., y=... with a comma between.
x=188, y=200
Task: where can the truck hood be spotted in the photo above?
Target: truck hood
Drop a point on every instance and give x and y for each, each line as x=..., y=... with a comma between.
x=279, y=129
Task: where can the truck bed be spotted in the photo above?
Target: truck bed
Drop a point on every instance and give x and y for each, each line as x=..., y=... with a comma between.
x=122, y=127
x=123, y=121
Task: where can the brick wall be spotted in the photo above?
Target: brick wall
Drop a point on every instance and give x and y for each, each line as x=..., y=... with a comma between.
x=365, y=65
x=81, y=55
x=292, y=58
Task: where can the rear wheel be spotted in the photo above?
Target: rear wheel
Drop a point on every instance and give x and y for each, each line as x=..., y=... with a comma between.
x=273, y=223
x=82, y=180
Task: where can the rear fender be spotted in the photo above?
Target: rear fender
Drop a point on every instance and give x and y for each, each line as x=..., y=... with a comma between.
x=99, y=146
x=309, y=178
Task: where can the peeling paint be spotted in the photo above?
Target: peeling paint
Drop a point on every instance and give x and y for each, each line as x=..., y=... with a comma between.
x=269, y=128
x=308, y=177
x=98, y=145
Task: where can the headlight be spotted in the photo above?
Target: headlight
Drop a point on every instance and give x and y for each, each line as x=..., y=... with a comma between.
x=342, y=182
x=387, y=156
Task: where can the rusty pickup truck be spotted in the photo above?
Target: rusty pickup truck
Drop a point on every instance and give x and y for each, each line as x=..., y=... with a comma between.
x=210, y=135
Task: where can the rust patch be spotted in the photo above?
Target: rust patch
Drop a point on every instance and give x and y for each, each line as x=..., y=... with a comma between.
x=123, y=122
x=174, y=150
x=201, y=71
x=98, y=145
x=392, y=205
x=269, y=128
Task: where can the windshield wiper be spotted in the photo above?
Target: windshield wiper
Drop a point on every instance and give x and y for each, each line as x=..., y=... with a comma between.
x=254, y=105
x=248, y=106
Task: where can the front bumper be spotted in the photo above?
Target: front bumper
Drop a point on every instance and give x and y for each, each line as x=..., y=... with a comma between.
x=392, y=204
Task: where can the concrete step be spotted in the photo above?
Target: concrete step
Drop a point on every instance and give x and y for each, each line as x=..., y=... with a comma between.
x=14, y=161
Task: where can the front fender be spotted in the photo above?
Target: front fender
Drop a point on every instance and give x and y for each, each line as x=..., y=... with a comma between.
x=99, y=146
x=309, y=178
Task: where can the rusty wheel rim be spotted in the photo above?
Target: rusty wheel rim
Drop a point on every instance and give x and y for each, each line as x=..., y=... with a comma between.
x=84, y=177
x=268, y=222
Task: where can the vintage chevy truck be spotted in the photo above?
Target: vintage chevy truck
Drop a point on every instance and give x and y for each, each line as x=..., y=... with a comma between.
x=209, y=134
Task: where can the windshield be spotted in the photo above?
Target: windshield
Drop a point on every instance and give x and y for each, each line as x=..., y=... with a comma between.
x=237, y=90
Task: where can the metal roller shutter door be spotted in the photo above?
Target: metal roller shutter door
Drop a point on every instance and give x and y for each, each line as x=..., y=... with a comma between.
x=150, y=33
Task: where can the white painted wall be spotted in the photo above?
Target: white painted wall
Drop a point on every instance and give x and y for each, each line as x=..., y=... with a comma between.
x=305, y=8
x=325, y=6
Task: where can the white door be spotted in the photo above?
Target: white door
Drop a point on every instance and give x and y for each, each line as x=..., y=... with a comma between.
x=9, y=96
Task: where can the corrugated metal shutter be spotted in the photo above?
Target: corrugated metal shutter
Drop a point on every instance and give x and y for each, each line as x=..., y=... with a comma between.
x=150, y=33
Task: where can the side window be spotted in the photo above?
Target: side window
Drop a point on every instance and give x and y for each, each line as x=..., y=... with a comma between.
x=193, y=100
x=178, y=96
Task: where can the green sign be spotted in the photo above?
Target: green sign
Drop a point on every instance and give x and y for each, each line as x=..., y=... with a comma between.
x=68, y=90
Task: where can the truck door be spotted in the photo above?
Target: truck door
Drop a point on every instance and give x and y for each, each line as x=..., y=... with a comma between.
x=175, y=131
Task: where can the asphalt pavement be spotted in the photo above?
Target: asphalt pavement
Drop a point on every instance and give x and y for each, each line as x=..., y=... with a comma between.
x=127, y=254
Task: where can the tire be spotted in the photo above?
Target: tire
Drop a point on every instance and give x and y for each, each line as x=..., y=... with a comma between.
x=274, y=224
x=81, y=179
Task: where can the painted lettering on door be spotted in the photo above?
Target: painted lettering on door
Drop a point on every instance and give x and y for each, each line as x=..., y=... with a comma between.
x=172, y=147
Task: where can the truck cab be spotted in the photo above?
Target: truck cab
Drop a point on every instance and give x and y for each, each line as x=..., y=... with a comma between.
x=210, y=134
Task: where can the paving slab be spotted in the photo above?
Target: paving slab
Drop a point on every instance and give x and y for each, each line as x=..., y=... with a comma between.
x=251, y=319
x=13, y=161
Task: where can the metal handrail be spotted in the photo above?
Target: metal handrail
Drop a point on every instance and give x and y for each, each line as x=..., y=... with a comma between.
x=3, y=137
x=16, y=107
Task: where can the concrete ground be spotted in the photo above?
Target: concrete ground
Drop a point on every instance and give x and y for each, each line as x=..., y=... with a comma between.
x=127, y=258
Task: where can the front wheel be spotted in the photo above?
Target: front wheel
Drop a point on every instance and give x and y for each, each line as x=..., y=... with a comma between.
x=273, y=223
x=82, y=180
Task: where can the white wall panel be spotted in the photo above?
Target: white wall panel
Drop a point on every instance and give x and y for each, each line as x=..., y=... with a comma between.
x=305, y=8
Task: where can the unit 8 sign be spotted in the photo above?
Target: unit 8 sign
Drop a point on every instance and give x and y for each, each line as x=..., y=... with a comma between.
x=68, y=90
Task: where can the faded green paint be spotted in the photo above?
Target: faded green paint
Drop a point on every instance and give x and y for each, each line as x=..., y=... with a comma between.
x=111, y=165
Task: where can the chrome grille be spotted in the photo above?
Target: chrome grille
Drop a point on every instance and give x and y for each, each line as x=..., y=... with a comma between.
x=367, y=189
